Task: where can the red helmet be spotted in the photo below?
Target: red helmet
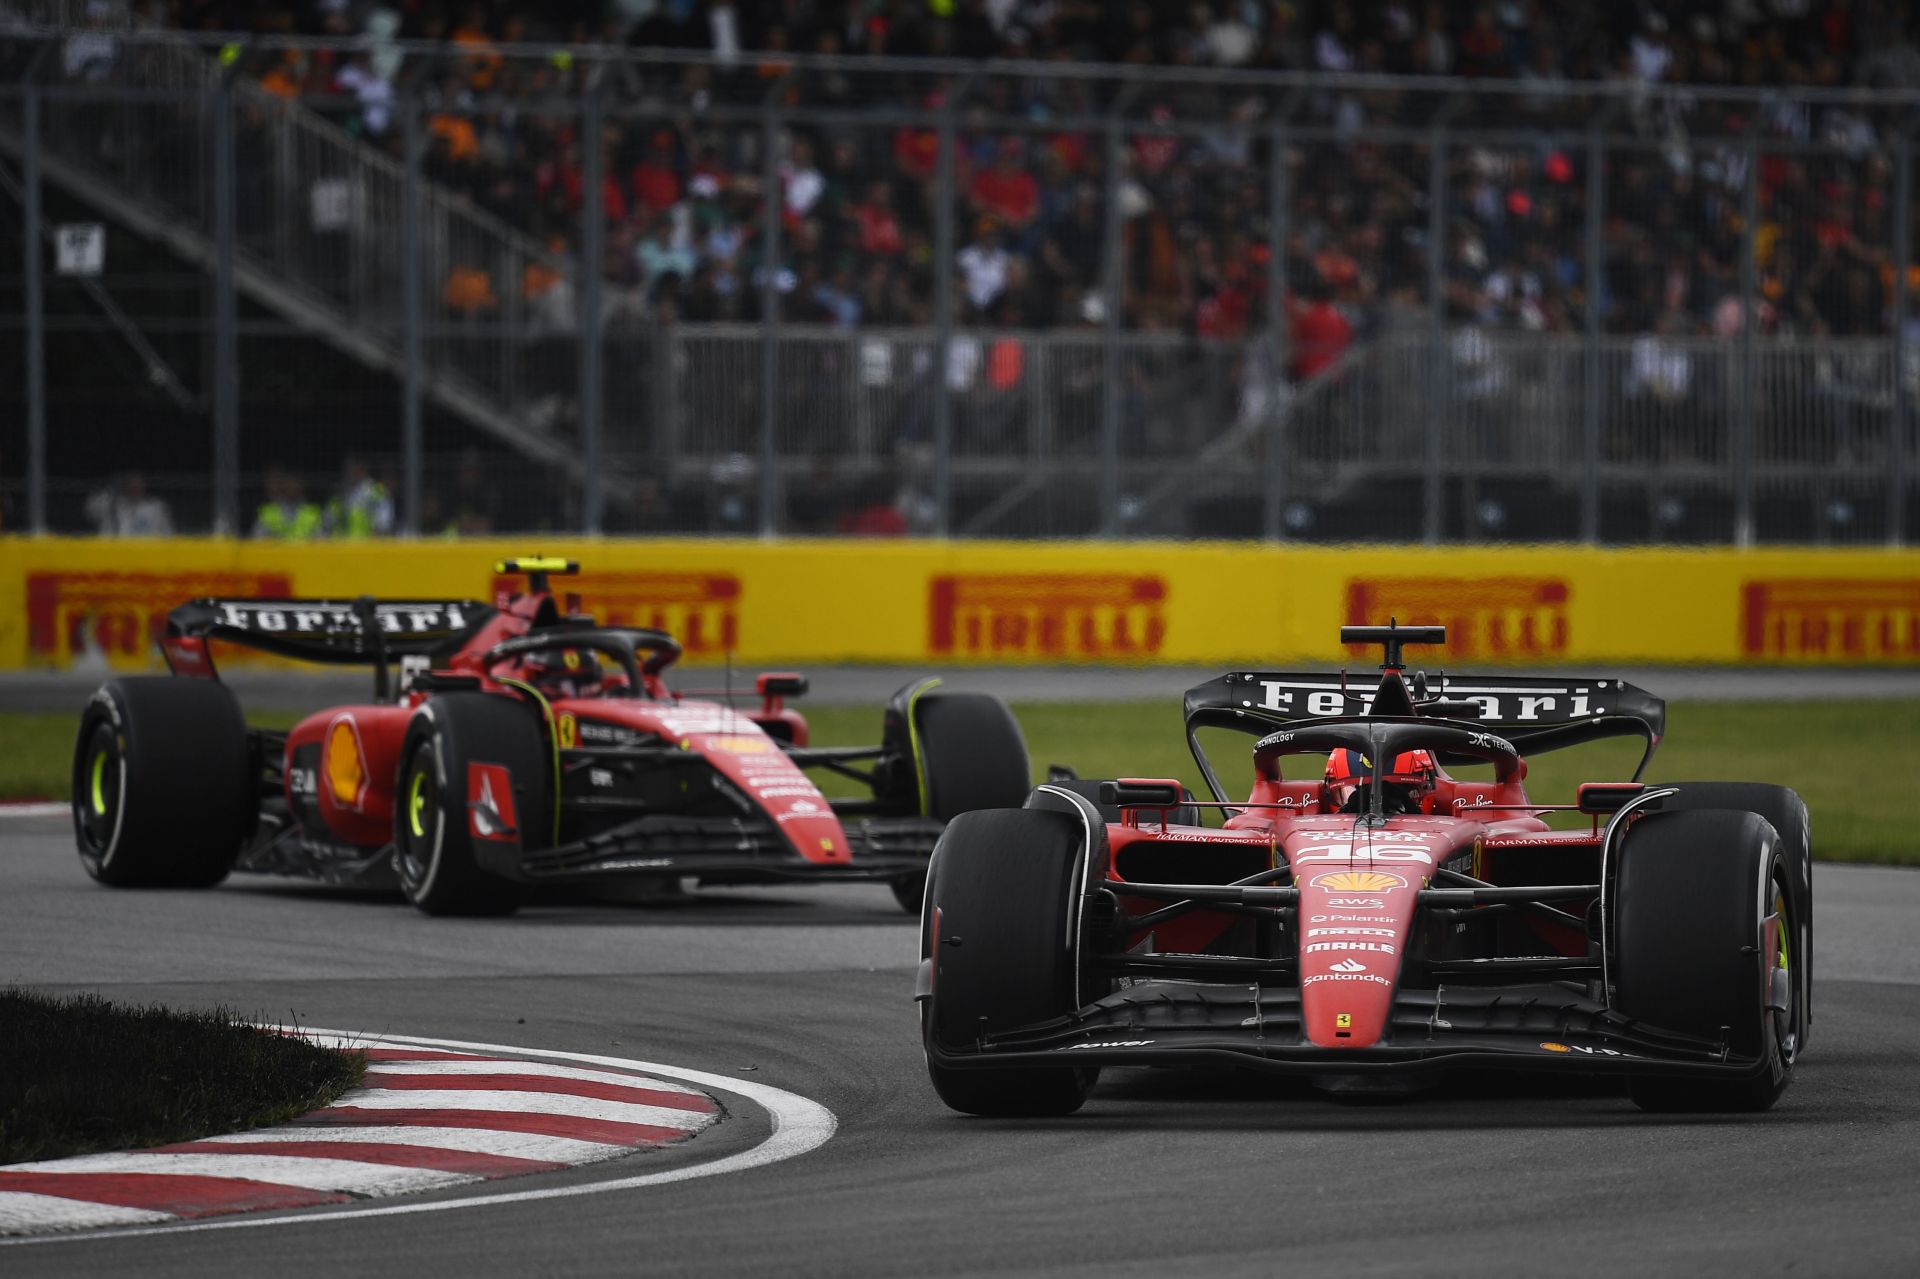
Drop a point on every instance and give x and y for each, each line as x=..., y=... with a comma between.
x=1349, y=772
x=564, y=672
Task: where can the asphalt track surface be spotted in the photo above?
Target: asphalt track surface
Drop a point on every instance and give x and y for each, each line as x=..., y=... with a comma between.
x=296, y=689
x=1162, y=1173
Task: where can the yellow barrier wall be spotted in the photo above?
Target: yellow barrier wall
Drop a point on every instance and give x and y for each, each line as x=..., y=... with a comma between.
x=944, y=603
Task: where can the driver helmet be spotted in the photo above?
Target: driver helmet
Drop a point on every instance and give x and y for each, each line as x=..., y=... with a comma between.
x=565, y=672
x=1403, y=786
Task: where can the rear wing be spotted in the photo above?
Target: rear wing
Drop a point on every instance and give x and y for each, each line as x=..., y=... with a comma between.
x=1534, y=713
x=336, y=632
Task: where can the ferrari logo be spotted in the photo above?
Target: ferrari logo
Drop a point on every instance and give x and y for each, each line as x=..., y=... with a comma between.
x=1343, y=1021
x=569, y=731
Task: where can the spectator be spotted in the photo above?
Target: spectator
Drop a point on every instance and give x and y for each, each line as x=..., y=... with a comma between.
x=286, y=515
x=124, y=509
x=983, y=265
x=1006, y=191
x=1319, y=334
x=362, y=508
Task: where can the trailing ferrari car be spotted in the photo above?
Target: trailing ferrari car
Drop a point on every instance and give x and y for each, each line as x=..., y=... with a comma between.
x=1386, y=904
x=524, y=745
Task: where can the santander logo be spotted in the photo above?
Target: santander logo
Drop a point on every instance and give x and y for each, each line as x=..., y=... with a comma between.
x=1348, y=966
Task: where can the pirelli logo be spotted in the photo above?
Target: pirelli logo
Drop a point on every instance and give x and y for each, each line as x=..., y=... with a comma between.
x=701, y=610
x=1485, y=617
x=122, y=614
x=1061, y=615
x=1831, y=619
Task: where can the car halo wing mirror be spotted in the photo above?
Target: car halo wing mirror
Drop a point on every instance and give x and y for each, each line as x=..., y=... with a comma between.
x=1602, y=798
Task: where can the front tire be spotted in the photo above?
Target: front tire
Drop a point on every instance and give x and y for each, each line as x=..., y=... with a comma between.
x=1788, y=814
x=163, y=783
x=1000, y=926
x=1697, y=951
x=436, y=853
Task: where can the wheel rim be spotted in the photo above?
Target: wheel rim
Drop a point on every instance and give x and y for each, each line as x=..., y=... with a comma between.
x=416, y=805
x=1781, y=972
x=419, y=823
x=96, y=799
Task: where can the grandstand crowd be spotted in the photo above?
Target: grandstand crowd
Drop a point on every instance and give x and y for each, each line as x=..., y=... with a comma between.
x=682, y=195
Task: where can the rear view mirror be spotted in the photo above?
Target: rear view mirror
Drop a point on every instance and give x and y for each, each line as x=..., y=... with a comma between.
x=1600, y=798
x=1137, y=792
x=780, y=684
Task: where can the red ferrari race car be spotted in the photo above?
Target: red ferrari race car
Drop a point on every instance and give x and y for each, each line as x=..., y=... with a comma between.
x=525, y=745
x=1369, y=919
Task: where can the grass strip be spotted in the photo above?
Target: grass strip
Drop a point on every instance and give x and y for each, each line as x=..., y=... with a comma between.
x=81, y=1074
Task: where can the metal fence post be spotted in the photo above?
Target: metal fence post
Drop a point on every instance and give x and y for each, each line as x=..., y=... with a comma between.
x=593, y=252
x=771, y=201
x=943, y=268
x=1740, y=439
x=1596, y=272
x=31, y=254
x=1433, y=491
x=413, y=307
x=1278, y=388
x=1114, y=292
x=1898, y=459
x=226, y=350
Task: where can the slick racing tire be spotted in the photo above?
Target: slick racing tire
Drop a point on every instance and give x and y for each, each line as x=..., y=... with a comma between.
x=1784, y=808
x=164, y=786
x=435, y=849
x=1694, y=951
x=1000, y=925
x=970, y=755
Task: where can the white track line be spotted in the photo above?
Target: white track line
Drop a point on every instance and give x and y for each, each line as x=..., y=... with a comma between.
x=35, y=810
x=477, y=1141
x=800, y=1125
x=345, y=1175
x=523, y=1103
x=531, y=1069
x=20, y=1209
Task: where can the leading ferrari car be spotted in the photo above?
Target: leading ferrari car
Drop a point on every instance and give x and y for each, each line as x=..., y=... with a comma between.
x=1371, y=919
x=524, y=746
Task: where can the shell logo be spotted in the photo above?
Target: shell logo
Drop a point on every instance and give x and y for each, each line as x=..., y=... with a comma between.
x=1556, y=1048
x=1359, y=881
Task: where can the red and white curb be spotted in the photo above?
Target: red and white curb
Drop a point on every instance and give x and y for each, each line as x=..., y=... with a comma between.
x=433, y=1114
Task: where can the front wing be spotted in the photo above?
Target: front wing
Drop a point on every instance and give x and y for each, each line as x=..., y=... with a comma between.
x=1184, y=1023
x=728, y=850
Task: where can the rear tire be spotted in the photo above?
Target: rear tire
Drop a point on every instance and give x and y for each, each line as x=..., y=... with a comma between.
x=164, y=785
x=971, y=755
x=1788, y=814
x=434, y=845
x=1001, y=901
x=1691, y=950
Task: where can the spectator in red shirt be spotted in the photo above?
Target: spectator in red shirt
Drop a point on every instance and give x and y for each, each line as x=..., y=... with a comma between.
x=879, y=227
x=1319, y=334
x=1006, y=191
x=656, y=183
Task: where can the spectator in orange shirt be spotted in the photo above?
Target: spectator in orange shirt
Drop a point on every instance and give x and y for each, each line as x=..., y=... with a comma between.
x=469, y=291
